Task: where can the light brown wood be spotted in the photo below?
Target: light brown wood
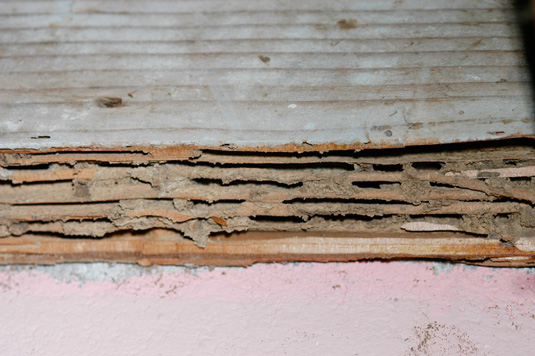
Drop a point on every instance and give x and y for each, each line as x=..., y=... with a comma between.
x=165, y=247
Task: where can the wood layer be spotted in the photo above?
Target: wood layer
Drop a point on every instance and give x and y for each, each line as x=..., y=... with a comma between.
x=165, y=247
x=261, y=74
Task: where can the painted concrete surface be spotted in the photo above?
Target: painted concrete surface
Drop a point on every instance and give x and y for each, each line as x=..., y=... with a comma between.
x=375, y=308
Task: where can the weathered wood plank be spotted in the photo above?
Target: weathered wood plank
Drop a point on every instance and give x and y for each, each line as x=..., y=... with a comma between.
x=262, y=73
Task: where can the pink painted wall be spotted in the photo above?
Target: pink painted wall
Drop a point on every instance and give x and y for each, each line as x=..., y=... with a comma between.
x=296, y=309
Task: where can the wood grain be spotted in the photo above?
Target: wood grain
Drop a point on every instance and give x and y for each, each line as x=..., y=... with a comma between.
x=164, y=247
x=261, y=73
x=205, y=118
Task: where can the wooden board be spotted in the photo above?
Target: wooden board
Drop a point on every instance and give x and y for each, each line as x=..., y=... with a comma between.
x=324, y=129
x=261, y=73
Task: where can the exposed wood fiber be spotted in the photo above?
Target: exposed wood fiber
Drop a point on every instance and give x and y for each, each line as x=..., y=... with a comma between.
x=234, y=132
x=353, y=195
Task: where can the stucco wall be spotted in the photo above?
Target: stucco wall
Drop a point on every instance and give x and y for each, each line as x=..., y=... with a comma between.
x=366, y=308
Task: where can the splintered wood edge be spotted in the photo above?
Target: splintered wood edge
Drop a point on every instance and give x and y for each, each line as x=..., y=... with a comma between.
x=145, y=154
x=242, y=249
x=169, y=248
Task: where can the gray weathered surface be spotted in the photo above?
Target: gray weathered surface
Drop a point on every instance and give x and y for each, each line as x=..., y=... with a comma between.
x=345, y=71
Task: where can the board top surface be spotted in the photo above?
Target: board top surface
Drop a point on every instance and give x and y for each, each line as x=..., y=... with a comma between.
x=261, y=73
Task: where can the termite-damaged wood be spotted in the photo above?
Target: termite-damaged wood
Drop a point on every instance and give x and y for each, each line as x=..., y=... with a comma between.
x=323, y=131
x=406, y=193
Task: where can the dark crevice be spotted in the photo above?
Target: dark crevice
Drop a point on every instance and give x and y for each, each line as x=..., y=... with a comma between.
x=442, y=148
x=442, y=185
x=223, y=201
x=427, y=166
x=119, y=165
x=504, y=200
x=212, y=181
x=520, y=179
x=376, y=184
x=319, y=166
x=388, y=167
x=43, y=183
x=276, y=219
x=451, y=148
x=37, y=167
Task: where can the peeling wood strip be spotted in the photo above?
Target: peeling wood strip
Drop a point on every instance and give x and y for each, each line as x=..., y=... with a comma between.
x=511, y=192
x=47, y=176
x=165, y=247
x=499, y=172
x=172, y=215
x=226, y=175
x=107, y=155
x=323, y=152
x=519, y=153
x=65, y=193
x=98, y=211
